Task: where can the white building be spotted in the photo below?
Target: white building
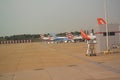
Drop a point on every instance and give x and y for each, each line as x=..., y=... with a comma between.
x=113, y=38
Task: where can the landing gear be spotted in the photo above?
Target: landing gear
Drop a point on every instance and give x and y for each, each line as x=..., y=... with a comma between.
x=90, y=49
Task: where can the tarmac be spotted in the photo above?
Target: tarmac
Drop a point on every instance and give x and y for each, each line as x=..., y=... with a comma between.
x=41, y=61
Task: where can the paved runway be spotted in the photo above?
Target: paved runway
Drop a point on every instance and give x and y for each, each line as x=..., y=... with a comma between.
x=40, y=61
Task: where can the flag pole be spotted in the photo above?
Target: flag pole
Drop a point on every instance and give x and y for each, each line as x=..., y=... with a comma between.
x=106, y=25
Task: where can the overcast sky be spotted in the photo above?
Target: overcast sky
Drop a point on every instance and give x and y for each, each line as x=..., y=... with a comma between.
x=53, y=16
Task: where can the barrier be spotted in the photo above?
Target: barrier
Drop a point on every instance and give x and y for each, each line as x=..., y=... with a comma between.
x=15, y=41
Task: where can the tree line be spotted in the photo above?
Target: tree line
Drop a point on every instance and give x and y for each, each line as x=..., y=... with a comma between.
x=20, y=37
x=33, y=37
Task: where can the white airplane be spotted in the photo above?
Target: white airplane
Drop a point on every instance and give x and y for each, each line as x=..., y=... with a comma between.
x=78, y=38
x=58, y=39
x=73, y=38
x=91, y=36
x=87, y=37
x=91, y=39
x=68, y=38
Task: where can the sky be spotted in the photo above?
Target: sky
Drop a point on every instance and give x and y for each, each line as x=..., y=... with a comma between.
x=53, y=16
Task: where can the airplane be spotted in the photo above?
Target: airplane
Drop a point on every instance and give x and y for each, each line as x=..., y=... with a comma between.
x=72, y=38
x=69, y=37
x=57, y=39
x=91, y=36
x=87, y=37
x=52, y=38
x=78, y=38
x=90, y=41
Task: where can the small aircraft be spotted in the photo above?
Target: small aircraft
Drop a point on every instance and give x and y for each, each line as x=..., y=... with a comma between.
x=73, y=38
x=69, y=37
x=91, y=39
x=57, y=39
x=78, y=38
x=52, y=38
x=87, y=37
x=91, y=36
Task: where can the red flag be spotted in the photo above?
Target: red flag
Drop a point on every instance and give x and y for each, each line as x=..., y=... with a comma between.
x=101, y=21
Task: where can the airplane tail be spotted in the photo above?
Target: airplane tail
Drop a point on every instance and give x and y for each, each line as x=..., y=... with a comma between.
x=69, y=35
x=84, y=36
x=100, y=21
